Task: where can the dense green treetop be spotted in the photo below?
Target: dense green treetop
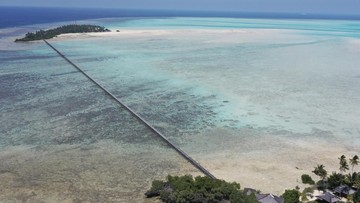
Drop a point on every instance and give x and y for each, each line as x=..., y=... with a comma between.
x=201, y=189
x=306, y=179
x=354, y=161
x=51, y=33
x=320, y=171
x=343, y=163
x=291, y=196
x=356, y=197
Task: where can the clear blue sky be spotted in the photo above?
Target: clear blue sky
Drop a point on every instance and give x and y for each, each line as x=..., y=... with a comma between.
x=292, y=6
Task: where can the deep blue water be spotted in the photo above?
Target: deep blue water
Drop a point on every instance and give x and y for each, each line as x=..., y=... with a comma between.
x=19, y=16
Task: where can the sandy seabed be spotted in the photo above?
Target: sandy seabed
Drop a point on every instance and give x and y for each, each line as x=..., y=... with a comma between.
x=101, y=172
x=269, y=159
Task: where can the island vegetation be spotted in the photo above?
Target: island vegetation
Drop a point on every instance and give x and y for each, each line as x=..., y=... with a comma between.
x=337, y=185
x=330, y=188
x=51, y=33
x=335, y=179
x=198, y=189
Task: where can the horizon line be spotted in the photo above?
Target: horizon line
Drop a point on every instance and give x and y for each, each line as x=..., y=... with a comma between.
x=189, y=10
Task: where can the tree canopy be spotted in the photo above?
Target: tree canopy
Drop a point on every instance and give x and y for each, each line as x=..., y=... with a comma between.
x=201, y=189
x=320, y=171
x=306, y=179
x=343, y=163
x=356, y=197
x=335, y=179
x=291, y=196
x=353, y=162
x=51, y=33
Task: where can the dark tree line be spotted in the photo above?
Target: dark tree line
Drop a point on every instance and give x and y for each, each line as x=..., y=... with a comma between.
x=198, y=190
x=51, y=33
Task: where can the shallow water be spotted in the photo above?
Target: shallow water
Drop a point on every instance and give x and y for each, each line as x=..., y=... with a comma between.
x=64, y=140
x=250, y=105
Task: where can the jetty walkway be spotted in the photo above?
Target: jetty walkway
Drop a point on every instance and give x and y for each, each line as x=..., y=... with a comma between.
x=152, y=128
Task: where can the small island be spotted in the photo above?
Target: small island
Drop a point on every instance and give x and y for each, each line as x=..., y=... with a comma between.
x=51, y=33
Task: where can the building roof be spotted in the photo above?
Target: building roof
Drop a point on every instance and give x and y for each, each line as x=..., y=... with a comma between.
x=328, y=197
x=269, y=198
x=344, y=189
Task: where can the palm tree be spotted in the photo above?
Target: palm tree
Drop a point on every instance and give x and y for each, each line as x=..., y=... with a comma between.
x=343, y=163
x=320, y=171
x=353, y=162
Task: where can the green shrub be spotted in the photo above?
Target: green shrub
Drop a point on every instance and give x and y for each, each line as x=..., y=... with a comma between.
x=336, y=179
x=304, y=193
x=322, y=185
x=306, y=179
x=308, y=190
x=356, y=197
x=156, y=187
x=291, y=196
x=201, y=189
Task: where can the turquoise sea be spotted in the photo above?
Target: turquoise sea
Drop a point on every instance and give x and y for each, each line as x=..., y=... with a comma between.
x=258, y=101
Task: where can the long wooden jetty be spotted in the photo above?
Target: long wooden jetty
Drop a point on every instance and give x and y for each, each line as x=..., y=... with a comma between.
x=152, y=128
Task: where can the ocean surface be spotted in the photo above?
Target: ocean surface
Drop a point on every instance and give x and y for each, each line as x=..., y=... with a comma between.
x=20, y=16
x=258, y=101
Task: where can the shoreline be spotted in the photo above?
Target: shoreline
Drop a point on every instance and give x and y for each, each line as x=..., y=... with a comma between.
x=266, y=161
x=159, y=32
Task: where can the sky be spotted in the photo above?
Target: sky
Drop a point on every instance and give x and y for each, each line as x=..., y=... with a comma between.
x=350, y=7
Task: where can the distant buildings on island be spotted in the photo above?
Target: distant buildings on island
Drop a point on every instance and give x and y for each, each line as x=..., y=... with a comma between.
x=339, y=194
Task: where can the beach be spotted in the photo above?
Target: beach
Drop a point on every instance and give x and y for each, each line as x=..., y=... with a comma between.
x=257, y=106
